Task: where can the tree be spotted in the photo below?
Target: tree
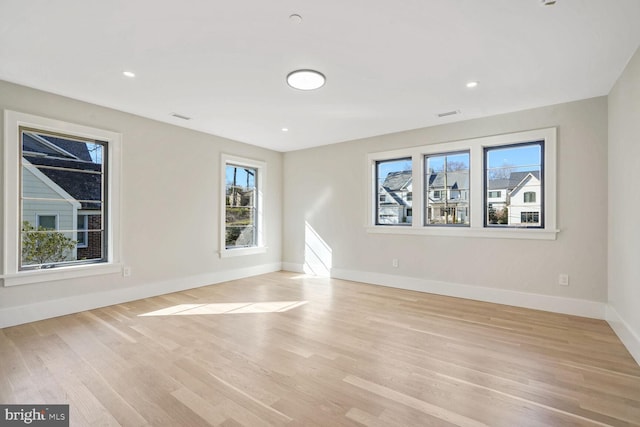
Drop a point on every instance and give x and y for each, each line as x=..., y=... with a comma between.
x=502, y=172
x=454, y=166
x=43, y=246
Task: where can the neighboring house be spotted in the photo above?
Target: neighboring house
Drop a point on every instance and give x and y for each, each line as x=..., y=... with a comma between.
x=520, y=194
x=448, y=198
x=395, y=199
x=448, y=201
x=59, y=194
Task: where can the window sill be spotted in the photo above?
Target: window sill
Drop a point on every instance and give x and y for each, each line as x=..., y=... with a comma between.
x=60, y=273
x=226, y=253
x=455, y=231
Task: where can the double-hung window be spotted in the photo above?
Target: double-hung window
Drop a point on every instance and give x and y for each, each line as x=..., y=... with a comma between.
x=394, y=192
x=242, y=215
x=447, y=189
x=501, y=186
x=61, y=200
x=516, y=170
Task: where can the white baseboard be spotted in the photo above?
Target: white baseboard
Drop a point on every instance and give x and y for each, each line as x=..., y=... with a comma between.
x=629, y=337
x=573, y=306
x=11, y=316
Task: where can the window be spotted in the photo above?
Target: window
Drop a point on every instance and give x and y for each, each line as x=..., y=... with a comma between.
x=530, y=217
x=518, y=170
x=61, y=173
x=241, y=202
x=242, y=223
x=47, y=222
x=83, y=234
x=394, y=180
x=530, y=197
x=469, y=188
x=447, y=178
x=61, y=170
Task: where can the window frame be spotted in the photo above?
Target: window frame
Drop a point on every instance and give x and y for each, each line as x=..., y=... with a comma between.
x=446, y=191
x=260, y=180
x=378, y=215
x=11, y=273
x=542, y=215
x=476, y=148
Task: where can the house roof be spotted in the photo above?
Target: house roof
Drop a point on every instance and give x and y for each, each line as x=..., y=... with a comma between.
x=455, y=180
x=76, y=175
x=397, y=181
x=512, y=182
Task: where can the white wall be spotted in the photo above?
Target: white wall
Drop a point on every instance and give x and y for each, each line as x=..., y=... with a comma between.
x=624, y=206
x=326, y=188
x=170, y=210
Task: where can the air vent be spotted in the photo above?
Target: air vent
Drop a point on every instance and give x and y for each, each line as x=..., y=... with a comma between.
x=180, y=116
x=449, y=113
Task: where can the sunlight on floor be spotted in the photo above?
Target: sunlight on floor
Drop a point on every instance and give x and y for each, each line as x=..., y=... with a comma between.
x=227, y=308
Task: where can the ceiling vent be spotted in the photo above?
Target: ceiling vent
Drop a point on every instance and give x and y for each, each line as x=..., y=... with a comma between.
x=180, y=116
x=449, y=113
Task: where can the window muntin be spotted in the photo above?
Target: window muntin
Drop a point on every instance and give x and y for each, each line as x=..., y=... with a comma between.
x=60, y=174
x=518, y=171
x=394, y=192
x=447, y=189
x=241, y=201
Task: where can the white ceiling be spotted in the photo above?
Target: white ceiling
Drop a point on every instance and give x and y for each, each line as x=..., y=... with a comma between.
x=390, y=65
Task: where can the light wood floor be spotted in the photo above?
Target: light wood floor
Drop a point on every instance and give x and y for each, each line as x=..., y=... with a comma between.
x=283, y=349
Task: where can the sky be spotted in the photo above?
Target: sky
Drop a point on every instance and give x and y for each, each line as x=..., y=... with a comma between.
x=516, y=158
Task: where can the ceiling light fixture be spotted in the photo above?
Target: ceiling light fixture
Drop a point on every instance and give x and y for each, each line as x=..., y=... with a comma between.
x=129, y=74
x=548, y=2
x=306, y=79
x=471, y=85
x=285, y=129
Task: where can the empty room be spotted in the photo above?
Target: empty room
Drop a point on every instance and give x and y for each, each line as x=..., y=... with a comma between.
x=363, y=213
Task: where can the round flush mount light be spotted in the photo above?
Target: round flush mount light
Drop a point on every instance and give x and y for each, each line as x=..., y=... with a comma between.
x=306, y=79
x=471, y=85
x=129, y=74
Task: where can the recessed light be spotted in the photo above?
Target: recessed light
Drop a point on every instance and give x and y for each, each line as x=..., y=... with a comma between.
x=285, y=129
x=295, y=18
x=306, y=79
x=129, y=74
x=548, y=2
x=471, y=85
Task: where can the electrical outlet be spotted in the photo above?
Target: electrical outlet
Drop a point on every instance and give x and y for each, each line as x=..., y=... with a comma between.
x=563, y=280
x=394, y=262
x=126, y=271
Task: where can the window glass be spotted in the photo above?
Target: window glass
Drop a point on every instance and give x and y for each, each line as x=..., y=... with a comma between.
x=516, y=170
x=447, y=189
x=60, y=175
x=394, y=186
x=241, y=207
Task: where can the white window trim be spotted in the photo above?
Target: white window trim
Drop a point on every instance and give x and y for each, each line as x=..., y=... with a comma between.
x=261, y=167
x=476, y=148
x=11, y=275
